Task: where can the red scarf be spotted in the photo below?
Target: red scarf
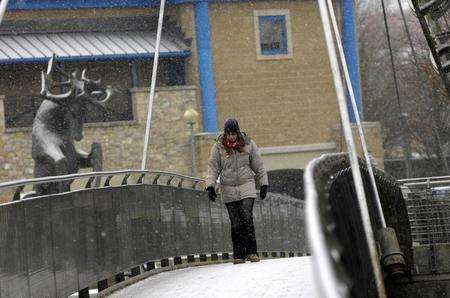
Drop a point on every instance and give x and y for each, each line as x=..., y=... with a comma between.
x=231, y=145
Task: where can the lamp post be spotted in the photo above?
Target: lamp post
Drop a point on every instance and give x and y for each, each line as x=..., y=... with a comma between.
x=191, y=116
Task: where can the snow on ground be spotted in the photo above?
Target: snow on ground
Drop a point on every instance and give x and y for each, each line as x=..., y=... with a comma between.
x=287, y=277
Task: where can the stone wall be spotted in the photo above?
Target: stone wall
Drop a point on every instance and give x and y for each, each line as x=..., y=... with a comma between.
x=122, y=142
x=204, y=142
x=15, y=151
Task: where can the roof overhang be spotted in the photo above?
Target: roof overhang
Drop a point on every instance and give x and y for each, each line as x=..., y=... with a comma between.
x=87, y=46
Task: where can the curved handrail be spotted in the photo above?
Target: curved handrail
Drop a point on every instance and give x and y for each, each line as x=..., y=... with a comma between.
x=48, y=179
x=340, y=256
x=325, y=275
x=20, y=184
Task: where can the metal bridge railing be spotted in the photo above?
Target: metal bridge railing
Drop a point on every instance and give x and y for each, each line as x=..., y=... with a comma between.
x=103, y=179
x=342, y=266
x=57, y=244
x=428, y=203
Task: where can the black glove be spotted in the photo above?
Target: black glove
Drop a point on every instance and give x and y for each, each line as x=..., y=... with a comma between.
x=263, y=192
x=211, y=193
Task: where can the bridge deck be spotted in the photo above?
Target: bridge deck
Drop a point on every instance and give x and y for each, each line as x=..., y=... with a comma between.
x=290, y=277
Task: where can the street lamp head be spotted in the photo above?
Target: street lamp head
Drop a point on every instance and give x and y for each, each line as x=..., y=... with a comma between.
x=191, y=116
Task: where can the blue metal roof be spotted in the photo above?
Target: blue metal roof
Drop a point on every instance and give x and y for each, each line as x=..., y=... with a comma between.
x=77, y=4
x=74, y=4
x=127, y=45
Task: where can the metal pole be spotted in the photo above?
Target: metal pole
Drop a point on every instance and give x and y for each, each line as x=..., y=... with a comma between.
x=153, y=83
x=3, y=5
x=193, y=151
x=337, y=78
x=355, y=111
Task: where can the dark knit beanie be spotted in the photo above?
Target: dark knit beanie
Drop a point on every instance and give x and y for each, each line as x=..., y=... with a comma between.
x=231, y=125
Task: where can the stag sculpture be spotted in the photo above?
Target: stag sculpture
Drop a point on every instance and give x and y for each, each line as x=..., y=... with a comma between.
x=59, y=122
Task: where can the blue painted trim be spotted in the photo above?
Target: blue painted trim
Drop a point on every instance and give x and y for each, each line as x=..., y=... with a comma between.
x=134, y=75
x=74, y=4
x=97, y=58
x=283, y=39
x=175, y=2
x=351, y=55
x=205, y=67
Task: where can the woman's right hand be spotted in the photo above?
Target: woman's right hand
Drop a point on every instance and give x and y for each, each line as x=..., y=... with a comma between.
x=263, y=192
x=211, y=193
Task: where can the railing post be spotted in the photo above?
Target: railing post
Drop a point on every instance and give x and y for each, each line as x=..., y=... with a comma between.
x=150, y=266
x=84, y=293
x=119, y=277
x=102, y=285
x=135, y=271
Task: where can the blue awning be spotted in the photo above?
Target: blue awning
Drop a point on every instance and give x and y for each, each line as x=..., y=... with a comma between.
x=87, y=46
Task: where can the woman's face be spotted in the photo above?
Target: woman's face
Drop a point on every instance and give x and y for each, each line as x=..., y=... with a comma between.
x=231, y=136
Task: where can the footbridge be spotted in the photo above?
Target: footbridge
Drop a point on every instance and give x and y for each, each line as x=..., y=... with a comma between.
x=117, y=225
x=116, y=228
x=360, y=232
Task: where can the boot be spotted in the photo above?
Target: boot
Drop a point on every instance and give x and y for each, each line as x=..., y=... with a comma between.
x=238, y=261
x=253, y=258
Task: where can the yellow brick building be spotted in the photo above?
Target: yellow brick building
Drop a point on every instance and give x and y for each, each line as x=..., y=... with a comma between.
x=280, y=90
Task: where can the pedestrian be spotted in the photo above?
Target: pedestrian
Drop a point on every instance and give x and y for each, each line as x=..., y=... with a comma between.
x=236, y=160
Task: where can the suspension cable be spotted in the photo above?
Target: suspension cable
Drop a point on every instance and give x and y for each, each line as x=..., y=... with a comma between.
x=3, y=5
x=408, y=34
x=355, y=111
x=445, y=20
x=337, y=79
x=153, y=84
x=407, y=148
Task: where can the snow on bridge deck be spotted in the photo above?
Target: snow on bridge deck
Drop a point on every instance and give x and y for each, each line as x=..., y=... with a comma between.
x=287, y=277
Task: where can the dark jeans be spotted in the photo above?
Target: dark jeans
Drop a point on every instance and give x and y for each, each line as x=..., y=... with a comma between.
x=242, y=228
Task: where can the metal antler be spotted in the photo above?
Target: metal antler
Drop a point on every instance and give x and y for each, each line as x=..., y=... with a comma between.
x=97, y=94
x=78, y=87
x=106, y=94
x=84, y=78
x=47, y=83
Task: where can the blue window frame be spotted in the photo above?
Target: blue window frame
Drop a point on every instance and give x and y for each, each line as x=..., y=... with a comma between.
x=272, y=35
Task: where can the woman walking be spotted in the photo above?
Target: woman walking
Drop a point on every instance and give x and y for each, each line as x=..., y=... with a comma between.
x=236, y=159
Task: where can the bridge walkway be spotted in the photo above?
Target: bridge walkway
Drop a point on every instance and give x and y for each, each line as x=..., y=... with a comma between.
x=286, y=277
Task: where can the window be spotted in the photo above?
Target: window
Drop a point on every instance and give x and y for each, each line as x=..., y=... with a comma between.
x=21, y=110
x=273, y=35
x=20, y=106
